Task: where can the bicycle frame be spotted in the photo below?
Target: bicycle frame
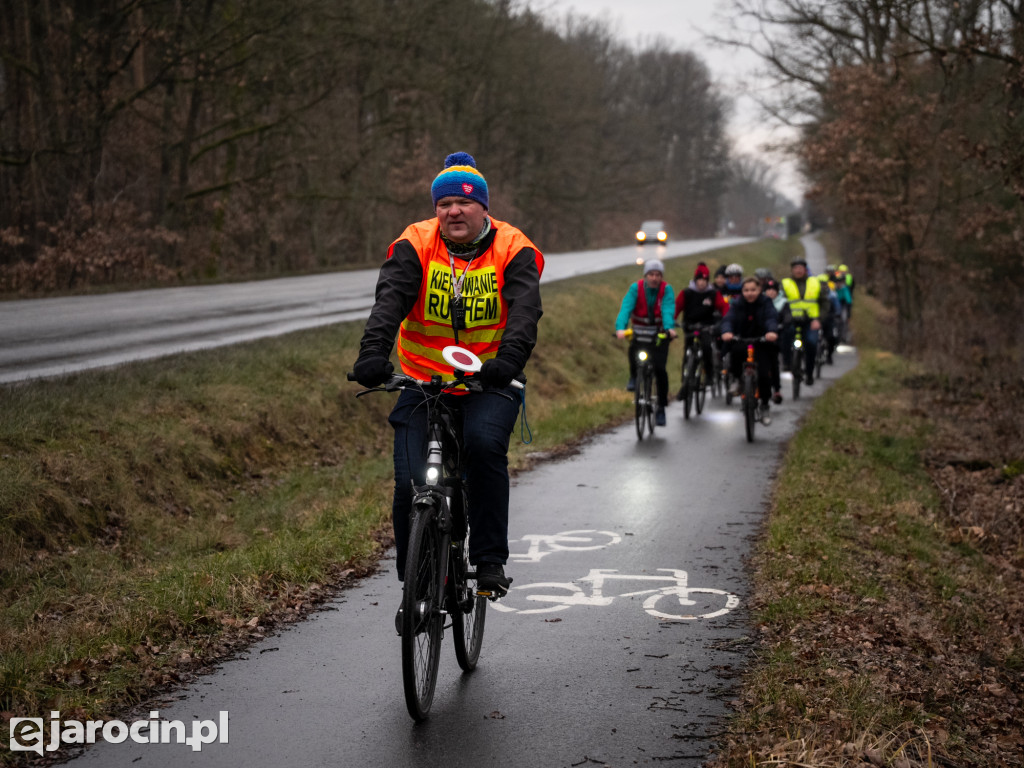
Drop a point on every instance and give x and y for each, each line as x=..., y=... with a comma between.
x=642, y=398
x=749, y=391
x=437, y=569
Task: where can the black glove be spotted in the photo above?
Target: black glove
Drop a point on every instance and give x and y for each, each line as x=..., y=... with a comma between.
x=497, y=373
x=373, y=369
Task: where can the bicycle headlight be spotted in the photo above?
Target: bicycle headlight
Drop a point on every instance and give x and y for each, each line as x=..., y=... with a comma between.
x=642, y=355
x=433, y=475
x=798, y=343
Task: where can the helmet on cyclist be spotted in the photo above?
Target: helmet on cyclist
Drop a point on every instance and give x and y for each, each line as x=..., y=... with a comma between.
x=830, y=268
x=734, y=269
x=798, y=260
x=762, y=273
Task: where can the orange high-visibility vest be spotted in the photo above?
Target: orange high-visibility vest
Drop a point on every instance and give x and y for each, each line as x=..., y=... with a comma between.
x=427, y=329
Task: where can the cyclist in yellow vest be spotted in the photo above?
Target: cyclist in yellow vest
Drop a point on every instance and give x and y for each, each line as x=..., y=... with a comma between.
x=808, y=301
x=462, y=278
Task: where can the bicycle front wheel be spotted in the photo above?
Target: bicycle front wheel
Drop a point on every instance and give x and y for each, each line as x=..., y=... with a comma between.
x=639, y=405
x=422, y=619
x=688, y=379
x=468, y=612
x=749, y=403
x=648, y=398
x=798, y=372
x=701, y=386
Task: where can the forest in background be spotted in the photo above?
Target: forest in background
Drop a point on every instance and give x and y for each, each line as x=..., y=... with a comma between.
x=147, y=141
x=911, y=117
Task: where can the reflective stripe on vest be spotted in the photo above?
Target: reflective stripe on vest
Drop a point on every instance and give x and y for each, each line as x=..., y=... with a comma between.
x=806, y=305
x=641, y=312
x=427, y=329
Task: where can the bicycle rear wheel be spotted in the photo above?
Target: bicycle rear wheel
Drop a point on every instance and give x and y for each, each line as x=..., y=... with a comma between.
x=468, y=612
x=422, y=619
x=749, y=403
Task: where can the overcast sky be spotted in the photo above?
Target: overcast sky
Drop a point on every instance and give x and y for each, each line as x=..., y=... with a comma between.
x=683, y=23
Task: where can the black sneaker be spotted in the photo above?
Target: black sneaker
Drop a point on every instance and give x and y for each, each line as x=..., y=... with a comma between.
x=491, y=580
x=631, y=384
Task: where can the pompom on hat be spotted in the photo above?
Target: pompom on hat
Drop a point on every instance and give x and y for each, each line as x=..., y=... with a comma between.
x=460, y=178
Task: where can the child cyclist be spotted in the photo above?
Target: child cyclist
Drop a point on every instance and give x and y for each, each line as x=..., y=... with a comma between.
x=753, y=314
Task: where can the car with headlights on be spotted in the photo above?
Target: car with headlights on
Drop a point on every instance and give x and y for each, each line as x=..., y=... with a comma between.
x=652, y=232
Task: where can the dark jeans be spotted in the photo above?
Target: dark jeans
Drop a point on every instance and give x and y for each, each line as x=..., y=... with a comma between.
x=487, y=422
x=763, y=354
x=810, y=345
x=659, y=358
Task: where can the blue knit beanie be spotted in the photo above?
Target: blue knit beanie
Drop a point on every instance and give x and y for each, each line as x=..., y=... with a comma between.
x=460, y=178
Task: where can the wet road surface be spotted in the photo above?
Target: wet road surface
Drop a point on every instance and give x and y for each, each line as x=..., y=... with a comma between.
x=41, y=338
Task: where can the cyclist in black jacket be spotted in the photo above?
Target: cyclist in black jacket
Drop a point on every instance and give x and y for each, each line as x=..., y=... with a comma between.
x=750, y=316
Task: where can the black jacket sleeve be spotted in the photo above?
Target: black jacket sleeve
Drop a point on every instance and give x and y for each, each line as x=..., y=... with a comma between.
x=521, y=293
x=398, y=288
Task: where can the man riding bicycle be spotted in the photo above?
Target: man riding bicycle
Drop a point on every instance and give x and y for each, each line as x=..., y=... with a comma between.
x=649, y=303
x=463, y=278
x=809, y=302
x=700, y=305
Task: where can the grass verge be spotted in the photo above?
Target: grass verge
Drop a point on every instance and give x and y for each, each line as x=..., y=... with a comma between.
x=157, y=516
x=890, y=631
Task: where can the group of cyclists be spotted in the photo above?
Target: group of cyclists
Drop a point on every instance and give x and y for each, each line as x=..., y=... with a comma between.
x=733, y=307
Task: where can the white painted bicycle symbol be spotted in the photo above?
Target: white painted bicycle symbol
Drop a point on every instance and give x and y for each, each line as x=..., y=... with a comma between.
x=575, y=541
x=668, y=602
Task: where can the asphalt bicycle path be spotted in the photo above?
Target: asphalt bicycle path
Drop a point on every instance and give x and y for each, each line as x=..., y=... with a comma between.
x=584, y=663
x=593, y=677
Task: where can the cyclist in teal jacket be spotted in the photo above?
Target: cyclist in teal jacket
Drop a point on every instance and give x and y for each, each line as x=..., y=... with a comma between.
x=653, y=306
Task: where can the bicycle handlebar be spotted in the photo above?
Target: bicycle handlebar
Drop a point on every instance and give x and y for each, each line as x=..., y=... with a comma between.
x=659, y=334
x=399, y=381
